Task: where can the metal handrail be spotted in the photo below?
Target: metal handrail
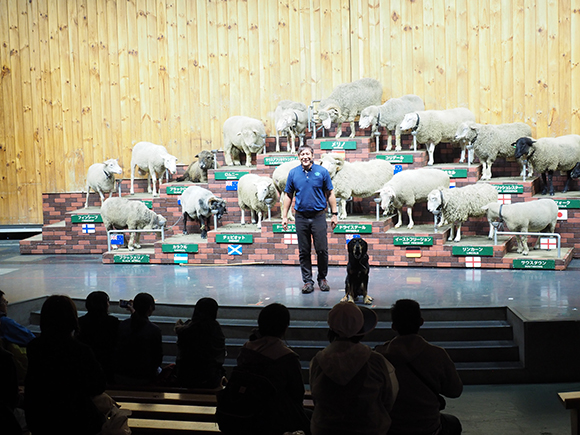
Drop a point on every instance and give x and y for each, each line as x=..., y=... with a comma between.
x=109, y=232
x=514, y=233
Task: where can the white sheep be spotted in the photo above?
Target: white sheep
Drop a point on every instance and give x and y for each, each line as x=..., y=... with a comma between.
x=279, y=178
x=101, y=178
x=531, y=216
x=347, y=101
x=459, y=204
x=152, y=160
x=253, y=193
x=246, y=134
x=390, y=115
x=358, y=179
x=291, y=119
x=434, y=126
x=549, y=154
x=201, y=204
x=121, y=213
x=408, y=188
x=489, y=142
x=197, y=171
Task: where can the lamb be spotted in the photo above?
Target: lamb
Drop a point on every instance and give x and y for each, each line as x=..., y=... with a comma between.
x=101, y=178
x=549, y=154
x=290, y=118
x=347, y=101
x=253, y=193
x=197, y=171
x=121, y=213
x=492, y=141
x=200, y=204
x=279, y=177
x=434, y=126
x=359, y=179
x=459, y=204
x=390, y=115
x=244, y=133
x=152, y=160
x=531, y=216
x=409, y=187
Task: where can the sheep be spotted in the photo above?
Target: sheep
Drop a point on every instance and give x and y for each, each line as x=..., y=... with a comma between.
x=360, y=179
x=279, y=177
x=200, y=204
x=197, y=171
x=244, y=133
x=549, y=154
x=434, y=126
x=390, y=115
x=489, y=142
x=409, y=187
x=346, y=102
x=253, y=193
x=531, y=216
x=121, y=213
x=101, y=178
x=152, y=160
x=458, y=204
x=290, y=118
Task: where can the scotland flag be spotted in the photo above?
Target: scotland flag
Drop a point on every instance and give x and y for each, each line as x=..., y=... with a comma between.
x=234, y=249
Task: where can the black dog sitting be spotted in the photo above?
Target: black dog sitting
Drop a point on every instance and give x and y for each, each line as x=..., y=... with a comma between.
x=357, y=271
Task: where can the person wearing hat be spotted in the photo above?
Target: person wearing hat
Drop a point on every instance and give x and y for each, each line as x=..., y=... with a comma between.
x=425, y=372
x=353, y=387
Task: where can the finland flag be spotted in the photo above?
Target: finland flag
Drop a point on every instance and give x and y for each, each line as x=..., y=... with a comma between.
x=88, y=228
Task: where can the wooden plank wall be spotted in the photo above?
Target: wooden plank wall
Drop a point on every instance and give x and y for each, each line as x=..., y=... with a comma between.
x=84, y=80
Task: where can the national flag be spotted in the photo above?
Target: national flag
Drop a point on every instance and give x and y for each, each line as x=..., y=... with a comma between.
x=472, y=261
x=562, y=215
x=88, y=228
x=291, y=239
x=341, y=153
x=504, y=198
x=548, y=243
x=232, y=185
x=397, y=169
x=180, y=258
x=349, y=237
x=452, y=184
x=234, y=249
x=117, y=239
x=413, y=252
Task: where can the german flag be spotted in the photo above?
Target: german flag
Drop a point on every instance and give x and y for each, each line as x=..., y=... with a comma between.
x=413, y=252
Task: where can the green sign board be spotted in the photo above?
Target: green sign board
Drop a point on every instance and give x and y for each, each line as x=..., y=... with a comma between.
x=180, y=247
x=175, y=190
x=86, y=218
x=131, y=258
x=534, y=264
x=568, y=203
x=353, y=229
x=338, y=145
x=229, y=175
x=509, y=188
x=456, y=173
x=234, y=238
x=396, y=158
x=148, y=203
x=413, y=241
x=278, y=160
x=473, y=251
x=278, y=228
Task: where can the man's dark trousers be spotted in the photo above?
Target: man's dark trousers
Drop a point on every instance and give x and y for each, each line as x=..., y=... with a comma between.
x=310, y=229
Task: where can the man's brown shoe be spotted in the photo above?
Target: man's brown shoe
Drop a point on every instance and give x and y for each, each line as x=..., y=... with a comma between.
x=323, y=284
x=308, y=288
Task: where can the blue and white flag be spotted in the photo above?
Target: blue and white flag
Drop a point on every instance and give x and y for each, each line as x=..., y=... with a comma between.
x=117, y=239
x=349, y=237
x=88, y=228
x=234, y=249
x=232, y=185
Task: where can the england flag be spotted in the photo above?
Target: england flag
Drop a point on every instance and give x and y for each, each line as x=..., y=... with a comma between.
x=290, y=239
x=472, y=261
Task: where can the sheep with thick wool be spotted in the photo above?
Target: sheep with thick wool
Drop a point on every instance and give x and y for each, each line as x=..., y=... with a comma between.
x=390, y=115
x=408, y=188
x=431, y=127
x=197, y=171
x=279, y=178
x=201, y=204
x=152, y=160
x=347, y=101
x=457, y=205
x=121, y=213
x=253, y=193
x=549, y=154
x=523, y=217
x=357, y=179
x=242, y=134
x=489, y=142
x=290, y=119
x=101, y=178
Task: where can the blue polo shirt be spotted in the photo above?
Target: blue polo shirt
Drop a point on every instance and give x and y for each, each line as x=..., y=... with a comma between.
x=309, y=187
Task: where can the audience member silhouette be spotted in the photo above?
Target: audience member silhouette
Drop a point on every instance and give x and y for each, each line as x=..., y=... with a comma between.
x=63, y=375
x=139, y=351
x=98, y=330
x=201, y=346
x=424, y=372
x=353, y=387
x=9, y=394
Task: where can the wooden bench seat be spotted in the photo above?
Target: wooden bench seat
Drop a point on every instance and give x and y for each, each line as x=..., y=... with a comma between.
x=157, y=411
x=571, y=401
x=170, y=427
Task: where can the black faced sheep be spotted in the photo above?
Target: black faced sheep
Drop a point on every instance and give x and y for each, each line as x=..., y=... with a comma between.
x=246, y=134
x=253, y=193
x=101, y=178
x=121, y=213
x=197, y=171
x=152, y=160
x=291, y=119
x=200, y=204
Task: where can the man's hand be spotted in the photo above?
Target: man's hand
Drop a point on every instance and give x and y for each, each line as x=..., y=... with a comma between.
x=285, y=223
x=333, y=221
